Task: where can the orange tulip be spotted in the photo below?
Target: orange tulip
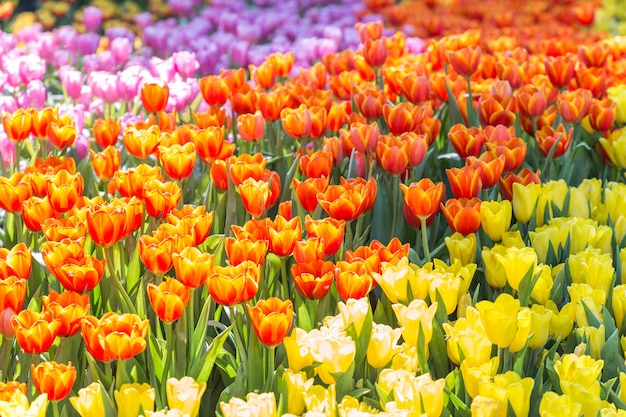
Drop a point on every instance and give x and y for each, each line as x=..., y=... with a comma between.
x=490, y=165
x=106, y=132
x=12, y=293
x=255, y=196
x=80, y=275
x=400, y=118
x=251, y=127
x=7, y=389
x=366, y=255
x=493, y=110
x=214, y=90
x=17, y=125
x=296, y=122
x=319, y=121
x=602, y=114
x=168, y=299
x=370, y=102
x=354, y=280
x=392, y=252
x=161, y=197
x=211, y=146
x=110, y=222
x=525, y=177
x=561, y=69
x=54, y=379
x=319, y=164
x=131, y=183
x=263, y=76
x=154, y=97
x=423, y=197
x=141, y=143
x=462, y=215
x=214, y=116
x=415, y=88
x=328, y=229
x=337, y=116
x=244, y=100
x=243, y=250
x=464, y=182
x=106, y=163
x=156, y=252
x=252, y=229
x=307, y=190
x=69, y=307
x=510, y=70
x=198, y=222
x=14, y=191
x=61, y=135
x=465, y=61
x=311, y=249
x=548, y=137
x=114, y=336
x=35, y=211
x=63, y=190
x=178, y=161
x=348, y=200
x=466, y=141
x=594, y=55
x=271, y=320
x=35, y=332
x=313, y=279
x=246, y=166
x=219, y=175
x=574, y=105
x=284, y=234
x=532, y=101
x=15, y=262
x=392, y=153
x=192, y=266
x=230, y=285
x=514, y=152
x=271, y=103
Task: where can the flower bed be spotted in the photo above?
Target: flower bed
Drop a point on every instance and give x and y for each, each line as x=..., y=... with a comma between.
x=392, y=225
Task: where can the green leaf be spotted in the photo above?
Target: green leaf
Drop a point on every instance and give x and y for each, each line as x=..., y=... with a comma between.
x=613, y=359
x=453, y=108
x=344, y=382
x=133, y=273
x=202, y=371
x=199, y=333
x=592, y=319
x=462, y=410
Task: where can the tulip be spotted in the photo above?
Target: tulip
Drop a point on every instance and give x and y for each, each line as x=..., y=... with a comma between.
x=465, y=61
x=500, y=319
x=517, y=263
x=17, y=125
x=473, y=374
x=508, y=389
x=495, y=218
x=168, y=299
x=329, y=229
x=593, y=268
x=17, y=405
x=466, y=141
x=178, y=161
x=69, y=307
x=106, y=132
x=394, y=280
x=89, y=402
x=353, y=280
x=415, y=317
x=484, y=407
x=53, y=379
x=555, y=405
x=296, y=384
x=382, y=345
x=525, y=200
x=313, y=279
x=307, y=190
x=271, y=320
x=154, y=97
x=192, y=266
x=161, y=197
x=15, y=189
x=232, y=285
x=462, y=215
x=298, y=349
x=35, y=332
x=63, y=190
x=185, y=394
x=114, y=336
x=131, y=398
x=423, y=197
x=255, y=405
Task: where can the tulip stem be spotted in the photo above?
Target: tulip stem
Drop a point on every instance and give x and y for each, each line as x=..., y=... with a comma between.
x=395, y=192
x=109, y=260
x=269, y=377
x=169, y=348
x=425, y=239
x=284, y=277
x=55, y=408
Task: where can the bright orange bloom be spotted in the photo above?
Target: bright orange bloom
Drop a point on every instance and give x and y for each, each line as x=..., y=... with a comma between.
x=392, y=153
x=394, y=251
x=592, y=79
x=296, y=122
x=251, y=126
x=367, y=255
x=114, y=336
x=61, y=135
x=7, y=389
x=602, y=114
x=524, y=177
x=370, y=102
x=192, y=266
x=246, y=166
x=548, y=137
x=354, y=280
x=271, y=320
x=514, y=152
x=55, y=253
x=337, y=116
x=317, y=165
x=141, y=143
x=35, y=332
x=14, y=191
x=271, y=103
x=219, y=175
x=375, y=52
x=12, y=293
x=574, y=105
x=168, y=299
x=252, y=229
x=156, y=252
x=400, y=118
x=319, y=121
x=510, y=70
x=106, y=132
x=462, y=215
x=466, y=141
x=16, y=262
x=494, y=111
x=284, y=234
x=17, y=125
x=369, y=30
x=313, y=279
x=307, y=190
x=264, y=76
x=178, y=161
x=230, y=285
x=594, y=54
x=364, y=136
x=560, y=69
x=415, y=88
x=54, y=379
x=244, y=100
x=285, y=209
x=348, y=200
x=214, y=116
x=309, y=250
x=79, y=275
x=423, y=197
x=210, y=144
x=532, y=100
x=161, y=197
x=464, y=182
x=282, y=63
x=64, y=190
x=465, y=61
x=255, y=196
x=69, y=307
x=490, y=165
x=41, y=119
x=329, y=229
x=131, y=183
x=196, y=219
x=243, y=250
x=214, y=90
x=110, y=222
x=106, y=163
x=154, y=97
x=35, y=211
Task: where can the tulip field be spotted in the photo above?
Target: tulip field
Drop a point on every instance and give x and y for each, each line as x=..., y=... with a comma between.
x=339, y=208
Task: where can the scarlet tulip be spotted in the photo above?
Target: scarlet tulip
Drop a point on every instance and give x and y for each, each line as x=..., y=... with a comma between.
x=214, y=90
x=69, y=307
x=106, y=132
x=230, y=285
x=114, y=336
x=423, y=197
x=54, y=379
x=271, y=320
x=462, y=215
x=154, y=97
x=313, y=279
x=35, y=332
x=168, y=299
x=464, y=182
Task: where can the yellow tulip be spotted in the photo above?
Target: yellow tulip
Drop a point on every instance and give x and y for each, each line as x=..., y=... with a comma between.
x=614, y=197
x=166, y=413
x=578, y=292
x=621, y=393
x=555, y=405
x=185, y=394
x=615, y=147
x=472, y=342
x=514, y=238
x=552, y=192
x=395, y=279
x=413, y=317
x=561, y=322
x=89, y=402
x=354, y=312
x=617, y=94
x=546, y=237
x=618, y=303
x=494, y=270
x=590, y=401
x=524, y=326
x=473, y=374
x=319, y=399
x=406, y=358
x=388, y=379
x=257, y=405
x=592, y=267
x=543, y=286
x=18, y=406
x=579, y=370
x=517, y=263
x=525, y=199
x=500, y=319
x=299, y=353
x=586, y=233
x=333, y=349
x=296, y=384
x=383, y=345
x=579, y=205
x=540, y=326
x=131, y=397
x=495, y=218
x=417, y=393
x=619, y=230
x=461, y=247
x=594, y=337
x=484, y=407
x=508, y=388
x=447, y=285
